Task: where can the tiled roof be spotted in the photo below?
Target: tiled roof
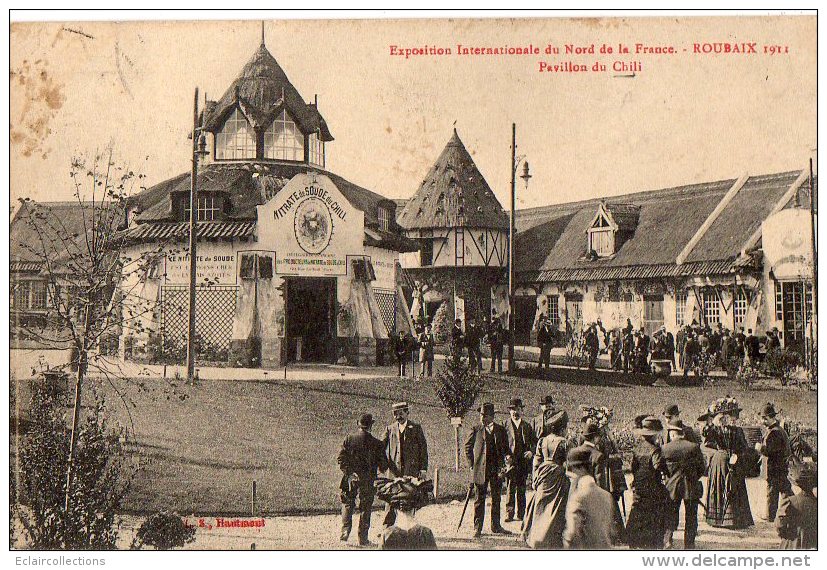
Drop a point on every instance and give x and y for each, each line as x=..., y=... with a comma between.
x=453, y=194
x=553, y=244
x=160, y=231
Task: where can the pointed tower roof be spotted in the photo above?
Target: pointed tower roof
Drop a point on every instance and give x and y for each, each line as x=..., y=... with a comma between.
x=261, y=91
x=453, y=194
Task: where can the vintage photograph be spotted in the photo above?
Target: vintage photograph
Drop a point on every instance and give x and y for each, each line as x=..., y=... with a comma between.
x=415, y=283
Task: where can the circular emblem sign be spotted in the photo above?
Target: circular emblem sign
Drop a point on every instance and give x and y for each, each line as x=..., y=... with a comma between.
x=313, y=225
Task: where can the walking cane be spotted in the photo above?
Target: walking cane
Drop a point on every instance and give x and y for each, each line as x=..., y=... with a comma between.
x=465, y=507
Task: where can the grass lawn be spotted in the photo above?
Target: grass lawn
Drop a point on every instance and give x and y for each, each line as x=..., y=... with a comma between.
x=202, y=453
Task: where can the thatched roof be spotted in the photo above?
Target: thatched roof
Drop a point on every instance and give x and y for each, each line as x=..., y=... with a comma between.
x=453, y=194
x=551, y=242
x=261, y=91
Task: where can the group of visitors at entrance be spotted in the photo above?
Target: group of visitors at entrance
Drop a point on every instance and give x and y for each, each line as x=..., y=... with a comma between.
x=579, y=484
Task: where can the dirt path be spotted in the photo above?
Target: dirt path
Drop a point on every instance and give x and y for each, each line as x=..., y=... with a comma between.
x=321, y=532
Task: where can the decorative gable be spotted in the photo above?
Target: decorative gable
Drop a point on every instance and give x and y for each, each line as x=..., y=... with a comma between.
x=611, y=225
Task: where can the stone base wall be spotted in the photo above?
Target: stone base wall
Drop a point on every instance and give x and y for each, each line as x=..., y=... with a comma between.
x=271, y=353
x=358, y=351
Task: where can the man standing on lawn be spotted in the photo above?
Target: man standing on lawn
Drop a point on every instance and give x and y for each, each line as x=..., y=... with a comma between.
x=538, y=423
x=406, y=450
x=361, y=456
x=521, y=443
x=776, y=448
x=495, y=342
x=486, y=450
x=545, y=337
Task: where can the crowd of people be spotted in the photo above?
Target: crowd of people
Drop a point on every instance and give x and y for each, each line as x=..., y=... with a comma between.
x=579, y=484
x=631, y=349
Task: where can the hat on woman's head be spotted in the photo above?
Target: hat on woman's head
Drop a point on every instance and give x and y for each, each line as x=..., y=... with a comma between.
x=649, y=426
x=802, y=473
x=726, y=405
x=404, y=492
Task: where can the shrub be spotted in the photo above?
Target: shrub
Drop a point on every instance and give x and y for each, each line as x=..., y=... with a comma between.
x=163, y=531
x=456, y=386
x=747, y=375
x=98, y=487
x=781, y=363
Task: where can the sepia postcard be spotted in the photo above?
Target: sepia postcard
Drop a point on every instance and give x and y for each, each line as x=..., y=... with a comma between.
x=414, y=283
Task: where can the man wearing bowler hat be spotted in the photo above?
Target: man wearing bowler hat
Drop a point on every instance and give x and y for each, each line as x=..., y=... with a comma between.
x=361, y=456
x=406, y=449
x=539, y=422
x=684, y=468
x=486, y=450
x=776, y=449
x=590, y=521
x=521, y=443
x=672, y=414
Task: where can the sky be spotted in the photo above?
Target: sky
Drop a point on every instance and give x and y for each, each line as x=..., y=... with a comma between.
x=79, y=88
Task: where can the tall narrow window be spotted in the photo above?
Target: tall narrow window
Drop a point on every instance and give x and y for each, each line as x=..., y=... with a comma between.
x=283, y=140
x=22, y=289
x=712, y=307
x=384, y=216
x=38, y=295
x=236, y=140
x=740, y=307
x=554, y=311
x=680, y=308
x=315, y=150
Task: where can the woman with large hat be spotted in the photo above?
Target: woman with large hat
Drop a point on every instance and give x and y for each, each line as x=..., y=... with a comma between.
x=646, y=526
x=406, y=495
x=727, y=502
x=545, y=517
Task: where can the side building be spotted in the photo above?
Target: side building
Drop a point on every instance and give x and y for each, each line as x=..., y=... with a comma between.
x=294, y=262
x=732, y=252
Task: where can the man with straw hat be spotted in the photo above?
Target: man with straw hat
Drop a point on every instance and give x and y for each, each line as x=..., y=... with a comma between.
x=776, y=450
x=486, y=450
x=360, y=457
x=406, y=449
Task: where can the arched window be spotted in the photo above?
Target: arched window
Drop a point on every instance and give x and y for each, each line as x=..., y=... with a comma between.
x=283, y=140
x=236, y=139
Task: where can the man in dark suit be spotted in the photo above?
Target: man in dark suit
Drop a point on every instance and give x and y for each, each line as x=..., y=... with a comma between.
x=473, y=336
x=406, y=450
x=685, y=467
x=776, y=449
x=494, y=334
x=673, y=414
x=538, y=423
x=361, y=456
x=486, y=450
x=521, y=443
x=545, y=338
x=457, y=337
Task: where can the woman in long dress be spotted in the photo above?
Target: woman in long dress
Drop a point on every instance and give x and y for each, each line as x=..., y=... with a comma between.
x=545, y=517
x=727, y=502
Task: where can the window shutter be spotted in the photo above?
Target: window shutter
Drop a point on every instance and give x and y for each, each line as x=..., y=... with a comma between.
x=248, y=270
x=265, y=267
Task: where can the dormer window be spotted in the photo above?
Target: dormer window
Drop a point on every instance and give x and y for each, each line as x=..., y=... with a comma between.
x=611, y=226
x=209, y=208
x=283, y=140
x=315, y=150
x=384, y=215
x=236, y=140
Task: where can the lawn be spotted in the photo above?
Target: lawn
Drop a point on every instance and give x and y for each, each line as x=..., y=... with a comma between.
x=202, y=453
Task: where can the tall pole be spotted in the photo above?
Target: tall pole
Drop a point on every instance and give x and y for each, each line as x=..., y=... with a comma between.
x=814, y=311
x=193, y=224
x=511, y=225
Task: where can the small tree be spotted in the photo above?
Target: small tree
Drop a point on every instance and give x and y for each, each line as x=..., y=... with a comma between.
x=163, y=531
x=782, y=363
x=457, y=389
x=101, y=482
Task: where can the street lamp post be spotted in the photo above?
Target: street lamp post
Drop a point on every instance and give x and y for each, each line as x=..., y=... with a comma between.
x=515, y=162
x=199, y=149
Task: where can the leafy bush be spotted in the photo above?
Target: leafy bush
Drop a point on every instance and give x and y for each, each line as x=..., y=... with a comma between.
x=747, y=375
x=100, y=483
x=163, y=531
x=781, y=363
x=456, y=386
x=441, y=324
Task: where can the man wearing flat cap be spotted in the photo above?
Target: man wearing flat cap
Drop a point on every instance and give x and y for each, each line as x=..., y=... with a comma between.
x=406, y=449
x=672, y=413
x=361, y=456
x=684, y=467
x=486, y=450
x=776, y=450
x=540, y=423
x=521, y=444
x=590, y=521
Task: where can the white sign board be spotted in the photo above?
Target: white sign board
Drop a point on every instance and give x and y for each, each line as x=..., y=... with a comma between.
x=215, y=263
x=311, y=226
x=787, y=244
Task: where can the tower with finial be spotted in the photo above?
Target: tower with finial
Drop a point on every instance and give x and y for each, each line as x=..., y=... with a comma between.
x=462, y=230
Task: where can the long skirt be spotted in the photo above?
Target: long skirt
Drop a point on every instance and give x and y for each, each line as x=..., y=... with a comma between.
x=727, y=502
x=646, y=525
x=545, y=516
